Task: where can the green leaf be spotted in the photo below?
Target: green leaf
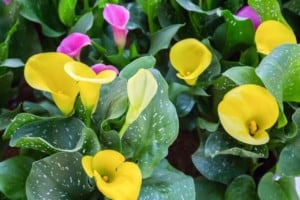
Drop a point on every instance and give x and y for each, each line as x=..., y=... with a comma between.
x=6, y=91
x=145, y=62
x=221, y=168
x=220, y=143
x=167, y=183
x=279, y=72
x=289, y=159
x=162, y=38
x=66, y=11
x=84, y=23
x=38, y=11
x=209, y=190
x=13, y=173
x=270, y=188
x=207, y=125
x=243, y=75
x=268, y=10
x=190, y=6
x=184, y=104
x=59, y=176
x=234, y=35
x=12, y=63
x=148, y=138
x=242, y=187
x=108, y=116
x=7, y=116
x=52, y=134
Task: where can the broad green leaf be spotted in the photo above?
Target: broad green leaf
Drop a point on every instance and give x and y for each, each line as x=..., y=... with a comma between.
x=167, y=183
x=243, y=75
x=289, y=159
x=207, y=125
x=184, y=104
x=267, y=10
x=279, y=72
x=6, y=91
x=221, y=168
x=84, y=23
x=219, y=143
x=234, y=35
x=38, y=11
x=242, y=187
x=271, y=187
x=108, y=116
x=4, y=46
x=52, y=134
x=42, y=108
x=145, y=62
x=148, y=138
x=59, y=176
x=12, y=63
x=6, y=117
x=209, y=190
x=66, y=11
x=162, y=38
x=190, y=6
x=13, y=173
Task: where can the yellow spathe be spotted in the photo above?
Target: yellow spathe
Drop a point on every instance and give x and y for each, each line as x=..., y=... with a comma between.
x=45, y=71
x=141, y=88
x=190, y=58
x=89, y=82
x=246, y=112
x=270, y=34
x=116, y=178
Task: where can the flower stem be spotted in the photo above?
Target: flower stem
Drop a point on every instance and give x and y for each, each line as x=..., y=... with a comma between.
x=86, y=6
x=123, y=129
x=87, y=120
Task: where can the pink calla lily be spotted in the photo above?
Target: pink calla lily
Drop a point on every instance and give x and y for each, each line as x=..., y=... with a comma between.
x=73, y=43
x=250, y=13
x=6, y=1
x=117, y=16
x=97, y=68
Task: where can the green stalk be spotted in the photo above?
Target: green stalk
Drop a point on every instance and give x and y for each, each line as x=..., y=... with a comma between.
x=123, y=129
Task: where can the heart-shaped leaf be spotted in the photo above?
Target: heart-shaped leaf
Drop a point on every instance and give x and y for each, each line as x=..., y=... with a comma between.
x=279, y=72
x=52, y=134
x=167, y=183
x=13, y=173
x=242, y=187
x=59, y=176
x=148, y=138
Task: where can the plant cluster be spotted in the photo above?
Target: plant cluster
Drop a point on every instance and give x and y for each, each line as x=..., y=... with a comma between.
x=95, y=92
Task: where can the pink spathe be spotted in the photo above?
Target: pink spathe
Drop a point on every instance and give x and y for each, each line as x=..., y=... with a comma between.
x=97, y=68
x=7, y=1
x=250, y=13
x=117, y=16
x=73, y=43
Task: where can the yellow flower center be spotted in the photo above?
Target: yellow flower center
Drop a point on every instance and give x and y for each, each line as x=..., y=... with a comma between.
x=187, y=73
x=105, y=178
x=253, y=127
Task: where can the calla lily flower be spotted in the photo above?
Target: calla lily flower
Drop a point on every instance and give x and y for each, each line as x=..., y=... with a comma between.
x=250, y=13
x=271, y=34
x=73, y=43
x=97, y=68
x=141, y=88
x=115, y=178
x=89, y=82
x=190, y=58
x=7, y=1
x=45, y=71
x=117, y=16
x=246, y=112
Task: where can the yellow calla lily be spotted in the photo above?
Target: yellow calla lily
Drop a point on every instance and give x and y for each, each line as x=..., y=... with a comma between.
x=89, y=82
x=45, y=71
x=141, y=88
x=190, y=58
x=271, y=34
x=246, y=112
x=115, y=178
